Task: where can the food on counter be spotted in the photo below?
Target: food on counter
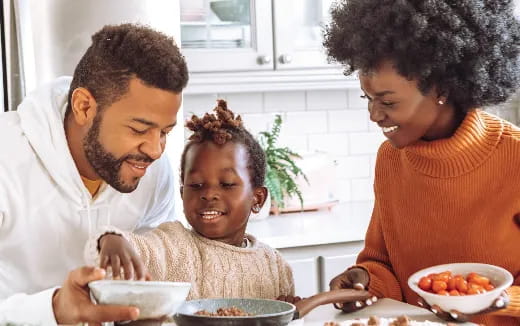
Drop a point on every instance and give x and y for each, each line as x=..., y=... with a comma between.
x=375, y=321
x=445, y=283
x=227, y=312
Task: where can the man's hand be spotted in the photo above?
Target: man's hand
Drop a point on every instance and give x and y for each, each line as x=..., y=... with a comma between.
x=116, y=252
x=72, y=305
x=353, y=278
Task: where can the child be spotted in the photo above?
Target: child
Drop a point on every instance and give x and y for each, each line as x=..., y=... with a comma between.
x=222, y=177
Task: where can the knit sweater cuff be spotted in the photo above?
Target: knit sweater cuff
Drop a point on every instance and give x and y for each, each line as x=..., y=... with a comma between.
x=91, y=250
x=382, y=288
x=513, y=308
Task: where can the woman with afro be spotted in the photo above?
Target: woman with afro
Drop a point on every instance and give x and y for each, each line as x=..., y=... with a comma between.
x=447, y=180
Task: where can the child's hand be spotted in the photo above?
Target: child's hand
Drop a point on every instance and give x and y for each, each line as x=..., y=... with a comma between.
x=116, y=252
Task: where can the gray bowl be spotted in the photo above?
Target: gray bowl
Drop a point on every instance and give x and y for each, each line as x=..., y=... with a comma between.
x=231, y=10
x=264, y=312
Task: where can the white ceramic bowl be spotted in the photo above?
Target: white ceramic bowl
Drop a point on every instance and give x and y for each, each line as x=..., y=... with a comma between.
x=154, y=299
x=468, y=304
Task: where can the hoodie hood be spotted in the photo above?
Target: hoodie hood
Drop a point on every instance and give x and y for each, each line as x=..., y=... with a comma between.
x=42, y=115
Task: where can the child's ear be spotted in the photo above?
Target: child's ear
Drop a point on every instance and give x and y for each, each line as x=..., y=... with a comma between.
x=260, y=194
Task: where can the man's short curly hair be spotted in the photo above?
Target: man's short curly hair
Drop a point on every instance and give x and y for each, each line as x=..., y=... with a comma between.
x=467, y=49
x=222, y=127
x=119, y=53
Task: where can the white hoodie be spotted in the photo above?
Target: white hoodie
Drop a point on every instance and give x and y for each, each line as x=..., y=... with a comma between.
x=46, y=212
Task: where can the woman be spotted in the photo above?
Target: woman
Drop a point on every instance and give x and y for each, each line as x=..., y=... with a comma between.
x=447, y=180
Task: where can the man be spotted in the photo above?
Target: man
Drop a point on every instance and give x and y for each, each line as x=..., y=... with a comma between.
x=83, y=153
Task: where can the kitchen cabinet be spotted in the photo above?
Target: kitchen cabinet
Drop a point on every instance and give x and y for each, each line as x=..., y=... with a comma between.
x=226, y=35
x=257, y=45
x=234, y=35
x=318, y=245
x=333, y=266
x=314, y=266
x=306, y=276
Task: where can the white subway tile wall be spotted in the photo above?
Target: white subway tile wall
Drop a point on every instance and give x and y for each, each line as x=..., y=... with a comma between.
x=331, y=121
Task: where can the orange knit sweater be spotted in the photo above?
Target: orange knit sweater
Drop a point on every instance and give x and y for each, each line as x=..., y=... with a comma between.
x=446, y=201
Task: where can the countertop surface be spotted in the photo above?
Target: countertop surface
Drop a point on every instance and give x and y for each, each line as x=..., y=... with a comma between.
x=345, y=222
x=384, y=308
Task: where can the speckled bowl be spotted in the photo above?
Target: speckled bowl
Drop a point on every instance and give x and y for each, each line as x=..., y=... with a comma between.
x=155, y=300
x=263, y=311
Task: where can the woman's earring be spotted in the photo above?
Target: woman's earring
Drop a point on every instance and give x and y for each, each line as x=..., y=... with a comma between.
x=256, y=208
x=441, y=102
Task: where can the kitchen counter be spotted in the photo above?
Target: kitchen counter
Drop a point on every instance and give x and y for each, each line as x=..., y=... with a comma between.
x=384, y=308
x=345, y=222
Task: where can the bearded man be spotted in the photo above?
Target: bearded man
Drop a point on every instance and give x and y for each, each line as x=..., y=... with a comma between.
x=84, y=153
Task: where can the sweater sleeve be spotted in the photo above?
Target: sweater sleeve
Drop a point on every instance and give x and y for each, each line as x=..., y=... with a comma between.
x=286, y=276
x=159, y=248
x=374, y=258
x=513, y=309
x=33, y=309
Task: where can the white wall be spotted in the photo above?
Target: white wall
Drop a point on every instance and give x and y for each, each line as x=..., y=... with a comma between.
x=333, y=121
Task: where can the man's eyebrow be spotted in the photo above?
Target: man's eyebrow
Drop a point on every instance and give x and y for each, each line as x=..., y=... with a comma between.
x=150, y=123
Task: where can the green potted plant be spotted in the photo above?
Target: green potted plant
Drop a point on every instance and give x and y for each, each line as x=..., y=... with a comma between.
x=282, y=169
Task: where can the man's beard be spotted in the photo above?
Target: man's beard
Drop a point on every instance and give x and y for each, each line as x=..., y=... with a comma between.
x=106, y=165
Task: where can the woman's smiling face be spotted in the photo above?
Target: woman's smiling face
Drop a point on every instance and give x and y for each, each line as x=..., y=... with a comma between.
x=403, y=112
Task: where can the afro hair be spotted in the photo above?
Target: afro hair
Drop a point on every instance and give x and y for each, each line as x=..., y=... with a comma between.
x=466, y=49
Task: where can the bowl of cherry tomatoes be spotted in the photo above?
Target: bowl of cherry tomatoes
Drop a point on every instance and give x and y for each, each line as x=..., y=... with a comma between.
x=465, y=287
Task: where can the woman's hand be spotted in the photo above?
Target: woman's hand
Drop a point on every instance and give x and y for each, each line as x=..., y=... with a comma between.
x=289, y=298
x=116, y=252
x=353, y=278
x=499, y=303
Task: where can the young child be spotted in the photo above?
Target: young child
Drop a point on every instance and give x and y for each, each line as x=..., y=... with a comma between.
x=222, y=177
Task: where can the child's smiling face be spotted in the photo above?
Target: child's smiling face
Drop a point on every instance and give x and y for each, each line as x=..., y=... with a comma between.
x=217, y=192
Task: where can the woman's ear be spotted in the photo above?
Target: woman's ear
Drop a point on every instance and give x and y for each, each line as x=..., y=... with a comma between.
x=260, y=195
x=441, y=100
x=181, y=189
x=441, y=96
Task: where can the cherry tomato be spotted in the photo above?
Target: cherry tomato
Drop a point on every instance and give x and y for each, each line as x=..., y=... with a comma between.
x=438, y=286
x=489, y=287
x=480, y=280
x=452, y=284
x=470, y=276
x=461, y=285
x=473, y=291
x=425, y=283
x=444, y=276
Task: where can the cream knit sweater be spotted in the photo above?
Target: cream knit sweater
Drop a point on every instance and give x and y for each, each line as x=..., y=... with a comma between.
x=215, y=269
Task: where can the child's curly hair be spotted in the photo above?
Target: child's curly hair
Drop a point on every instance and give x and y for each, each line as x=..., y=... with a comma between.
x=467, y=49
x=221, y=127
